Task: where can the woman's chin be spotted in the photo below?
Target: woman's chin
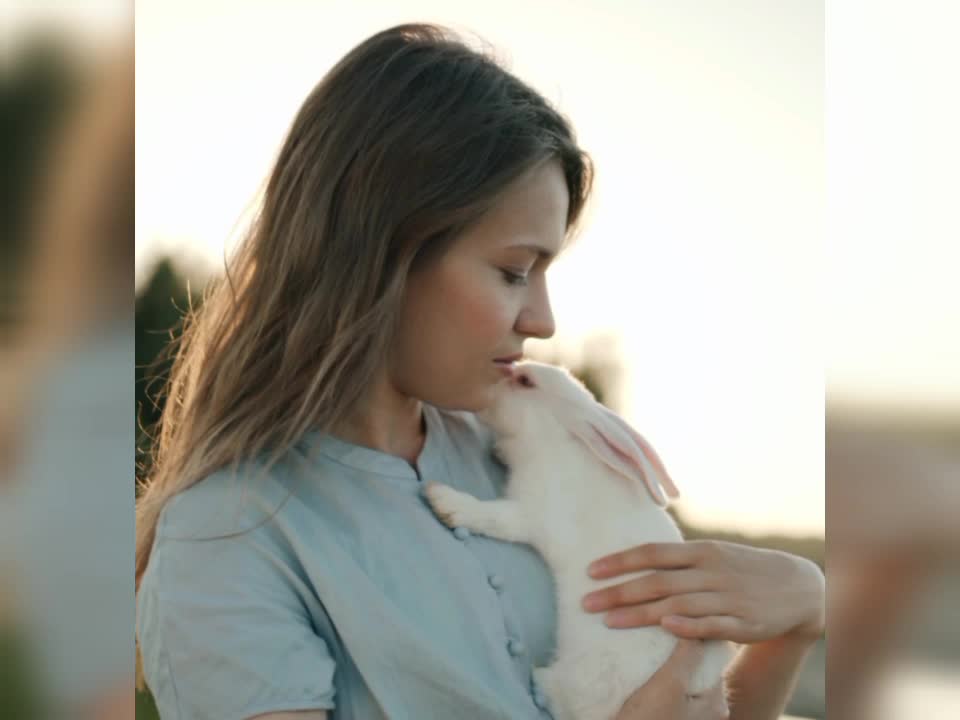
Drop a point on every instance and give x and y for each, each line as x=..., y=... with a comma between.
x=479, y=400
x=485, y=398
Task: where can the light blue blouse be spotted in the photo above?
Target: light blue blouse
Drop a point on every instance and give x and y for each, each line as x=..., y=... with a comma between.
x=338, y=588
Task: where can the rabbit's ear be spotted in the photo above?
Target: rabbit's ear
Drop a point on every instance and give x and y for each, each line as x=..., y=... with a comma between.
x=648, y=452
x=622, y=449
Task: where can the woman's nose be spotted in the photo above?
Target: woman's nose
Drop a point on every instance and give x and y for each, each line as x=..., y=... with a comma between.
x=536, y=319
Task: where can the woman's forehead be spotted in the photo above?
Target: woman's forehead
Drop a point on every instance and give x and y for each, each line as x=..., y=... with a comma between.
x=530, y=216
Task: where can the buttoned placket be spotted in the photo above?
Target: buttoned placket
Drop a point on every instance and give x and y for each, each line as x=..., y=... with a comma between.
x=432, y=466
x=433, y=460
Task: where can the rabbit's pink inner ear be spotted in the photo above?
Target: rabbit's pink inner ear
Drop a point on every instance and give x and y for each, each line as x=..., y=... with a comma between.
x=649, y=453
x=652, y=456
x=635, y=472
x=606, y=452
x=628, y=455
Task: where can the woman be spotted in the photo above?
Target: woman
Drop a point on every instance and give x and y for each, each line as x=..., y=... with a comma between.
x=286, y=560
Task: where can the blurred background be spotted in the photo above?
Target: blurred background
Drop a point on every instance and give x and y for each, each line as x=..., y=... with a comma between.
x=700, y=301
x=66, y=360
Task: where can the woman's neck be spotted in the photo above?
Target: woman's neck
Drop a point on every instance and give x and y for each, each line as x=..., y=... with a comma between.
x=389, y=422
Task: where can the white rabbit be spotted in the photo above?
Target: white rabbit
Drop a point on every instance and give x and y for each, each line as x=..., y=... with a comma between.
x=583, y=484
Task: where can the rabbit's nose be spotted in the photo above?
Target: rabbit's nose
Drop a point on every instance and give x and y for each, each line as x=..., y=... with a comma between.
x=521, y=379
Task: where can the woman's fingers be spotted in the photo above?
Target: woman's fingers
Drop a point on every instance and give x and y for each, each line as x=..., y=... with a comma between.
x=650, y=587
x=710, y=627
x=687, y=605
x=649, y=556
x=679, y=668
x=667, y=693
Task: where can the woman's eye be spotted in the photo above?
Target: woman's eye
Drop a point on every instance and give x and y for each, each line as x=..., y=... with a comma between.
x=513, y=278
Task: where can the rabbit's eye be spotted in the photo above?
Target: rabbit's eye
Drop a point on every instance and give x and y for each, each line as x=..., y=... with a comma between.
x=525, y=381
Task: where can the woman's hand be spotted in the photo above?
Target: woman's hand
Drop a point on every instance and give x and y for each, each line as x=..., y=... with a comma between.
x=712, y=589
x=665, y=696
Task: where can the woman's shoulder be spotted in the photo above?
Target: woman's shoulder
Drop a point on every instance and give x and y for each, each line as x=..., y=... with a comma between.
x=226, y=502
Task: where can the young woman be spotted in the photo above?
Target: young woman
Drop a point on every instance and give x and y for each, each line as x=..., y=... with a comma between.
x=286, y=559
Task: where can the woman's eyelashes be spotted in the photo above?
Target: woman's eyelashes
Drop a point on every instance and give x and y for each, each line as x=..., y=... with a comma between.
x=514, y=278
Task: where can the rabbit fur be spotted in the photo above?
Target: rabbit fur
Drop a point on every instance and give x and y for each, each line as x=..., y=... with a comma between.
x=583, y=484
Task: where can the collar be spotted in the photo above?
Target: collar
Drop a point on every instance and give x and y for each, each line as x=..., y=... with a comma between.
x=431, y=461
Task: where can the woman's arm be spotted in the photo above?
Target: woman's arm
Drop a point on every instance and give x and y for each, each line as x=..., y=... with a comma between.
x=665, y=696
x=762, y=677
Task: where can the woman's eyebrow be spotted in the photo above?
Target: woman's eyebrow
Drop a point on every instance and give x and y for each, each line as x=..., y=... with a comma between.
x=542, y=252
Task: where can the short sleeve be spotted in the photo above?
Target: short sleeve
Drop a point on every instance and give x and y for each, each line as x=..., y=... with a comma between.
x=224, y=633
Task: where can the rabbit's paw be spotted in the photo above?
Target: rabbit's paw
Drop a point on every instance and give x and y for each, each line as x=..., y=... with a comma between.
x=448, y=504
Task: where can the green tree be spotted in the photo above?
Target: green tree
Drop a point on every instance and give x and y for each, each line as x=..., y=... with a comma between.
x=160, y=308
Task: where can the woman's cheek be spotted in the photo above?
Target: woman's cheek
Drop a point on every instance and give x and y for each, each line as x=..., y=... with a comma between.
x=501, y=319
x=491, y=312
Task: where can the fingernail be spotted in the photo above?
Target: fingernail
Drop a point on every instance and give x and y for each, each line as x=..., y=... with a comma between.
x=592, y=602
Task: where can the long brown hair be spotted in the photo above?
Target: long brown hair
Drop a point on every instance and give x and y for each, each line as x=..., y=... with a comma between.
x=406, y=141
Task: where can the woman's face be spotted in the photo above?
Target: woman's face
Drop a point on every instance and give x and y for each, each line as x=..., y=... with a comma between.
x=483, y=297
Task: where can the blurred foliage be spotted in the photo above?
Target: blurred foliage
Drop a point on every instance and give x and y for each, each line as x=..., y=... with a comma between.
x=160, y=307
x=940, y=429
x=36, y=89
x=19, y=694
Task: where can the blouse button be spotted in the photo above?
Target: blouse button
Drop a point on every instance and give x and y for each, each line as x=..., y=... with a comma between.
x=496, y=582
x=515, y=647
x=461, y=532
